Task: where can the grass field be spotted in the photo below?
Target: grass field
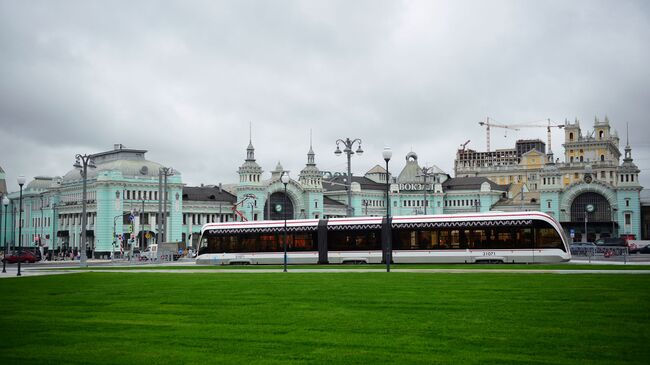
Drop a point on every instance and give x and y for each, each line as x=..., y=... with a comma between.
x=332, y=318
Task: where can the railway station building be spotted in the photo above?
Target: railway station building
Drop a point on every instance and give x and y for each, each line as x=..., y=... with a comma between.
x=591, y=185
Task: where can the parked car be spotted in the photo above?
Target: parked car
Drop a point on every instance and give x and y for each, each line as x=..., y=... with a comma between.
x=645, y=249
x=23, y=256
x=619, y=241
x=611, y=241
x=583, y=244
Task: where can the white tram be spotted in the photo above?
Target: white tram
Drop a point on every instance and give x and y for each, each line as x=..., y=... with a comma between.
x=528, y=237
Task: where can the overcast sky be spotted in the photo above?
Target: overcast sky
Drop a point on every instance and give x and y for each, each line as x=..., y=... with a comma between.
x=183, y=79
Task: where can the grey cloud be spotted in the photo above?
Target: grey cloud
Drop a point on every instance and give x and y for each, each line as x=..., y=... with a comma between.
x=184, y=79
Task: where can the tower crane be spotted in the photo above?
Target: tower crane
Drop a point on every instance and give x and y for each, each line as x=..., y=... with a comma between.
x=518, y=126
x=487, y=125
x=462, y=146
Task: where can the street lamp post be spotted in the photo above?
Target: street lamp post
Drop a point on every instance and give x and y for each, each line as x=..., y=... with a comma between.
x=425, y=172
x=387, y=154
x=163, y=173
x=348, y=144
x=589, y=208
x=54, y=221
x=285, y=181
x=5, y=202
x=21, y=182
x=83, y=162
x=12, y=247
x=40, y=238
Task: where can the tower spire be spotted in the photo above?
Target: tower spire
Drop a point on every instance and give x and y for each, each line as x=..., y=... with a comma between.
x=310, y=154
x=628, y=149
x=250, y=150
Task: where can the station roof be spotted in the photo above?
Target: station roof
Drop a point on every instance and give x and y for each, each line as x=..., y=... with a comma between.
x=471, y=183
x=329, y=201
x=207, y=193
x=337, y=183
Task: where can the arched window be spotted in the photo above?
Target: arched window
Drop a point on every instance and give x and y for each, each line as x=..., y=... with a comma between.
x=581, y=159
x=601, y=213
x=571, y=136
x=600, y=134
x=602, y=157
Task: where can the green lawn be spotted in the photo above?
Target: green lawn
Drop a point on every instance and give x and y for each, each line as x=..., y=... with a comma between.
x=325, y=318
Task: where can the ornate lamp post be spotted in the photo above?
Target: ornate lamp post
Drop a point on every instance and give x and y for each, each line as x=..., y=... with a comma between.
x=348, y=144
x=161, y=237
x=589, y=208
x=285, y=181
x=425, y=172
x=387, y=154
x=5, y=202
x=21, y=182
x=40, y=238
x=83, y=162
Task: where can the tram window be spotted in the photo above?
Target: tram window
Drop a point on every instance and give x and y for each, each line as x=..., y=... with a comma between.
x=455, y=238
x=476, y=238
x=248, y=242
x=404, y=240
x=268, y=243
x=427, y=239
x=354, y=240
x=548, y=238
x=301, y=242
x=445, y=239
x=505, y=239
x=524, y=238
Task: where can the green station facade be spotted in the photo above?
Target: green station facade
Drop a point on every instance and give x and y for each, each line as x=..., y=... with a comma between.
x=123, y=199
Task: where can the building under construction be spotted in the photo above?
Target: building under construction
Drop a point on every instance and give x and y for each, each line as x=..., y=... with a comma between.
x=592, y=192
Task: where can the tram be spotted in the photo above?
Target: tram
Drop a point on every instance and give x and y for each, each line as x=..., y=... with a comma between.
x=494, y=237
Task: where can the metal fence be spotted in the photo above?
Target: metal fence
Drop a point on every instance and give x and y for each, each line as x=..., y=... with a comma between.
x=600, y=252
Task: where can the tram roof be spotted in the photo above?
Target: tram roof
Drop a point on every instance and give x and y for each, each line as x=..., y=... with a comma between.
x=374, y=221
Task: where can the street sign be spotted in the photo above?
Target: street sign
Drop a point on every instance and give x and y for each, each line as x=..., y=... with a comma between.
x=131, y=218
x=572, y=232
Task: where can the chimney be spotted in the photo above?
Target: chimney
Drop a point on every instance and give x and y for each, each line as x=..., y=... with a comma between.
x=219, y=188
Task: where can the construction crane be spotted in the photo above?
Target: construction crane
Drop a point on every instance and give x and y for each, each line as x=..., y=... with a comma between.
x=516, y=127
x=241, y=202
x=462, y=146
x=487, y=125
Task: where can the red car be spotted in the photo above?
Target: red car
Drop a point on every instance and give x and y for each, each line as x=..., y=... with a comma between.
x=24, y=256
